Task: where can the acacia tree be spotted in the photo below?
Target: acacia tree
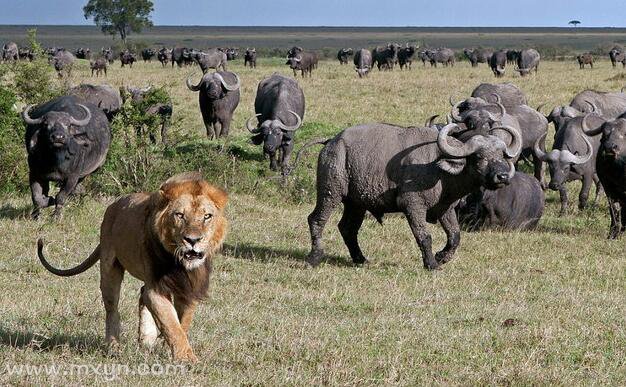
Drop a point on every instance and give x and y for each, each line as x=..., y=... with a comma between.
x=575, y=23
x=119, y=16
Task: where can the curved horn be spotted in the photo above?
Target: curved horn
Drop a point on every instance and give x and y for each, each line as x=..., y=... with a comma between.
x=190, y=86
x=585, y=128
x=454, y=113
x=85, y=120
x=502, y=109
x=540, y=107
x=226, y=85
x=569, y=157
x=27, y=119
x=448, y=119
x=453, y=151
x=511, y=172
x=498, y=100
x=594, y=108
x=252, y=129
x=537, y=149
x=515, y=147
x=291, y=128
x=429, y=122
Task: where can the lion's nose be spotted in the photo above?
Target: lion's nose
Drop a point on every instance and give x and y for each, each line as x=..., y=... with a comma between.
x=191, y=240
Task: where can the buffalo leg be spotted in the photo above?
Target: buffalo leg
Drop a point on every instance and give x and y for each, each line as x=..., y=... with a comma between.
x=285, y=155
x=538, y=170
x=599, y=188
x=450, y=225
x=273, y=162
x=324, y=207
x=349, y=226
x=225, y=127
x=67, y=189
x=417, y=221
x=564, y=202
x=616, y=222
x=164, y=124
x=583, y=196
x=210, y=130
x=39, y=193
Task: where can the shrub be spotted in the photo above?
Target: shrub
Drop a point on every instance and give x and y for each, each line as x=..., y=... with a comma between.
x=13, y=166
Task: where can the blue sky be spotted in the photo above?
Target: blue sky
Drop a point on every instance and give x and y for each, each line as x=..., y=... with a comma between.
x=478, y=13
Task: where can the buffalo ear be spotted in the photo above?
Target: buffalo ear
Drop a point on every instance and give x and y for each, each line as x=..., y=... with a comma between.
x=32, y=143
x=451, y=166
x=257, y=139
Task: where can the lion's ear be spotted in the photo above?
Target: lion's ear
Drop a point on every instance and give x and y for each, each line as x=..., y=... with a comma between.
x=218, y=196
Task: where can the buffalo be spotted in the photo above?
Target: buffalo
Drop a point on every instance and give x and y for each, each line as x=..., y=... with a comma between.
x=420, y=172
x=343, y=55
x=127, y=58
x=304, y=61
x=527, y=60
x=180, y=56
x=617, y=55
x=279, y=107
x=363, y=62
x=585, y=59
x=164, y=55
x=66, y=141
x=249, y=58
x=497, y=63
x=82, y=53
x=444, y=56
x=218, y=99
x=517, y=206
x=610, y=167
x=26, y=54
x=571, y=159
x=405, y=56
x=511, y=56
x=421, y=55
x=385, y=57
x=10, y=52
x=107, y=53
x=232, y=53
x=98, y=66
x=211, y=59
x=105, y=97
x=509, y=94
x=147, y=54
x=63, y=61
x=477, y=56
x=161, y=110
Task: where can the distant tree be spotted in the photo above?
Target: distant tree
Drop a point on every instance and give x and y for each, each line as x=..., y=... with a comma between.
x=574, y=23
x=119, y=16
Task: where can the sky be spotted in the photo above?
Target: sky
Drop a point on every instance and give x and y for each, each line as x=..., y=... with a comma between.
x=385, y=13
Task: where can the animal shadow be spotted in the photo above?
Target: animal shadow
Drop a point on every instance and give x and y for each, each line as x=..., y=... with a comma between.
x=8, y=211
x=267, y=254
x=25, y=339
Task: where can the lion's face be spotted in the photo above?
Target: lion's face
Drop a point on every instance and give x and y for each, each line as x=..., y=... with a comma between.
x=192, y=224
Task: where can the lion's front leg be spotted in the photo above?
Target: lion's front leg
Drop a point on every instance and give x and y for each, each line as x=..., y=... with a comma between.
x=185, y=310
x=167, y=322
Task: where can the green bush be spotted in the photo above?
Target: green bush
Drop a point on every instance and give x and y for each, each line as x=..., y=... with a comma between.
x=13, y=166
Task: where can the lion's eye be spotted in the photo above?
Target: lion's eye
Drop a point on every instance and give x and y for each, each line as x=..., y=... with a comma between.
x=208, y=216
x=180, y=215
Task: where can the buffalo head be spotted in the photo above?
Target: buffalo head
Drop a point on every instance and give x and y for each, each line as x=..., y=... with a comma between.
x=56, y=130
x=484, y=155
x=477, y=114
x=214, y=85
x=613, y=143
x=560, y=161
x=270, y=133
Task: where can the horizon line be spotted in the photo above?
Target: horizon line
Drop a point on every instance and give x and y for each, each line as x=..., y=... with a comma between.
x=314, y=26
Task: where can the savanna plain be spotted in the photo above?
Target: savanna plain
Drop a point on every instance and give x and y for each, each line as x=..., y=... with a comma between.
x=540, y=307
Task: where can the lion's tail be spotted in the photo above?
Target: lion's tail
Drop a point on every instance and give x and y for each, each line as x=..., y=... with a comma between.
x=89, y=262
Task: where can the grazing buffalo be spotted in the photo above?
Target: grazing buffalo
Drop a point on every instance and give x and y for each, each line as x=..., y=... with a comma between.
x=218, y=99
x=249, y=58
x=477, y=56
x=66, y=141
x=10, y=52
x=279, y=107
x=98, y=66
x=497, y=63
x=585, y=59
x=421, y=172
x=617, y=55
x=108, y=54
x=161, y=110
x=303, y=61
x=363, y=62
x=572, y=158
x=164, y=55
x=344, y=55
x=610, y=167
x=105, y=97
x=26, y=53
x=385, y=57
x=180, y=56
x=63, y=61
x=127, y=58
x=517, y=206
x=444, y=56
x=510, y=95
x=405, y=56
x=147, y=54
x=211, y=59
x=527, y=60
x=82, y=53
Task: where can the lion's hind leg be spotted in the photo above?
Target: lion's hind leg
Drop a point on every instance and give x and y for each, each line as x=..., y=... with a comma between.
x=111, y=276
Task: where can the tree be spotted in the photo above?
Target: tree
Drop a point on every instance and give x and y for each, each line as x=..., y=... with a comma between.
x=119, y=16
x=575, y=23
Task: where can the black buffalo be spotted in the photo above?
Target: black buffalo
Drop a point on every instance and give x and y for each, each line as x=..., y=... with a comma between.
x=164, y=55
x=66, y=141
x=405, y=56
x=517, y=206
x=304, y=61
x=180, y=56
x=161, y=110
x=105, y=97
x=249, y=58
x=127, y=58
x=98, y=67
x=218, y=99
x=363, y=62
x=147, y=54
x=279, y=107
x=385, y=57
x=497, y=63
x=527, y=60
x=343, y=55
x=108, y=54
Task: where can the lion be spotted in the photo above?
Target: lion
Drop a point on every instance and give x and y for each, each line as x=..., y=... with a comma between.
x=166, y=239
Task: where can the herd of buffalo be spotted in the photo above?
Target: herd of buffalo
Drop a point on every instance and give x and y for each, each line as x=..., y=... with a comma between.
x=460, y=173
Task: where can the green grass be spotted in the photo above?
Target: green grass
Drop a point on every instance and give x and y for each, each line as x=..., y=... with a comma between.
x=539, y=307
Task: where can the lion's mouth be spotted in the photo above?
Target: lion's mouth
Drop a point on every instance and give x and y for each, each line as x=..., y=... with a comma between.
x=193, y=255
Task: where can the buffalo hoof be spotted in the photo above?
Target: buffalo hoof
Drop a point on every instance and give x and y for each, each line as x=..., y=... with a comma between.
x=432, y=266
x=314, y=258
x=443, y=257
x=360, y=260
x=35, y=214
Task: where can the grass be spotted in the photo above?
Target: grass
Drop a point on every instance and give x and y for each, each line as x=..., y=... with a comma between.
x=542, y=307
